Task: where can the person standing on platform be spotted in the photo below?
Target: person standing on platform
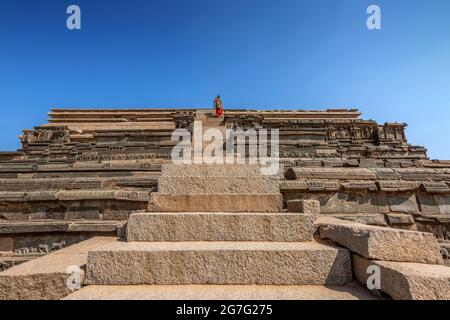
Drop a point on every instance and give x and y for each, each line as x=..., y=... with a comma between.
x=218, y=106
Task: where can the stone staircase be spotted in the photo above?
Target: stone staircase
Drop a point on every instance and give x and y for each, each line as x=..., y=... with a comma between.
x=246, y=248
x=208, y=118
x=209, y=121
x=215, y=188
x=238, y=252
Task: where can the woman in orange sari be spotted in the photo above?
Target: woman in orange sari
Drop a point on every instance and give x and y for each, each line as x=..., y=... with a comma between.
x=218, y=106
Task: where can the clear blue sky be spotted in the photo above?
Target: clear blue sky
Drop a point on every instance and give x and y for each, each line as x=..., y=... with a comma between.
x=311, y=54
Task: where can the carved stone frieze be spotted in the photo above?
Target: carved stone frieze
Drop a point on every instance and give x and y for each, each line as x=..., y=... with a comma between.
x=184, y=120
x=52, y=134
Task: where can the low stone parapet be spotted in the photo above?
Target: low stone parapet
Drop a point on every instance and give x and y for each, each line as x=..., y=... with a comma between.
x=406, y=280
x=380, y=243
x=220, y=227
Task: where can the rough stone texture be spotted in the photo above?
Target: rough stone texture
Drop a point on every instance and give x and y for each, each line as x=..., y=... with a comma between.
x=403, y=203
x=85, y=194
x=405, y=280
x=220, y=227
x=19, y=227
x=222, y=292
x=226, y=188
x=445, y=249
x=32, y=226
x=343, y=203
x=218, y=185
x=46, y=277
x=331, y=173
x=6, y=244
x=216, y=203
x=304, y=206
x=381, y=243
x=216, y=188
x=9, y=260
x=428, y=205
x=97, y=226
x=83, y=214
x=399, y=218
x=201, y=170
x=443, y=203
x=281, y=263
x=14, y=216
x=370, y=219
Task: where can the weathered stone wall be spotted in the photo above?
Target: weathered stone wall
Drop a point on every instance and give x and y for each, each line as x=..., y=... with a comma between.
x=411, y=198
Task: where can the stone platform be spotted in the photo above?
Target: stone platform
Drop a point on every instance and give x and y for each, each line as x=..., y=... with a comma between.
x=86, y=170
x=46, y=277
x=216, y=203
x=216, y=188
x=281, y=263
x=166, y=226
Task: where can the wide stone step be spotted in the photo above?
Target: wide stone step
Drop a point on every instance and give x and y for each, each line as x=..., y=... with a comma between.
x=218, y=185
x=151, y=226
x=161, y=202
x=47, y=277
x=281, y=263
x=222, y=292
